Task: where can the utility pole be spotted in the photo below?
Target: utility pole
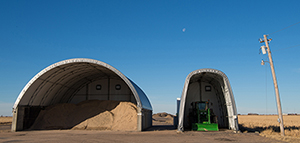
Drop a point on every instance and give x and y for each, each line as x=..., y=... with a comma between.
x=280, y=119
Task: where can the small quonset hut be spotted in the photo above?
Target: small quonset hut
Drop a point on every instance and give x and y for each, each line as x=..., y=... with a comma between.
x=74, y=81
x=208, y=85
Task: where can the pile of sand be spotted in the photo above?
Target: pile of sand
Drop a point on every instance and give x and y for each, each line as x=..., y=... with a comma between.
x=162, y=119
x=90, y=114
x=163, y=115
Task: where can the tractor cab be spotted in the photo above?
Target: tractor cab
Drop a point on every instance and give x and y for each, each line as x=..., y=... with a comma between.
x=202, y=105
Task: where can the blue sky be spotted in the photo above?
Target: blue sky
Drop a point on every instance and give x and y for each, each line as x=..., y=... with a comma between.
x=146, y=42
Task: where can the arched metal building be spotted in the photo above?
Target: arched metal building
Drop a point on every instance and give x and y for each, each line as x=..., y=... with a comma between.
x=76, y=80
x=209, y=85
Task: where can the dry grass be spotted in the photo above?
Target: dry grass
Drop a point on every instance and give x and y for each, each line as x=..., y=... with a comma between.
x=268, y=126
x=5, y=120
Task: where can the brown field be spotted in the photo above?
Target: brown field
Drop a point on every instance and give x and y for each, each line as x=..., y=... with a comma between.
x=253, y=129
x=268, y=126
x=5, y=120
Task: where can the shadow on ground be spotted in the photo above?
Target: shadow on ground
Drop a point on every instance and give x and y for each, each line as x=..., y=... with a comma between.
x=161, y=128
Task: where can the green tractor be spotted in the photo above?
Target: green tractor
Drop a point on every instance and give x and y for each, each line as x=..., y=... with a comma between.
x=202, y=117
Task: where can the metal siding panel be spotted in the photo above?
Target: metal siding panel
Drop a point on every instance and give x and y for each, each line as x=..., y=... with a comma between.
x=143, y=97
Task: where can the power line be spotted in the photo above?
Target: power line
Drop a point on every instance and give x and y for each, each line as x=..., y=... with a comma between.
x=287, y=48
x=266, y=72
x=285, y=28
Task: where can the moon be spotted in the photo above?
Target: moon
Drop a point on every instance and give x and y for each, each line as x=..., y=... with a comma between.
x=183, y=30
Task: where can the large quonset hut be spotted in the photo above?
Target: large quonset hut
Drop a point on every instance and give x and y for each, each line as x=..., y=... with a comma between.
x=208, y=85
x=74, y=81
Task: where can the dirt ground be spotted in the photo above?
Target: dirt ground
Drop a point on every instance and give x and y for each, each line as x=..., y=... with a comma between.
x=162, y=131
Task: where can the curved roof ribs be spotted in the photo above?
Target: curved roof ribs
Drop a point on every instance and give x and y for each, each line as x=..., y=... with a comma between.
x=58, y=82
